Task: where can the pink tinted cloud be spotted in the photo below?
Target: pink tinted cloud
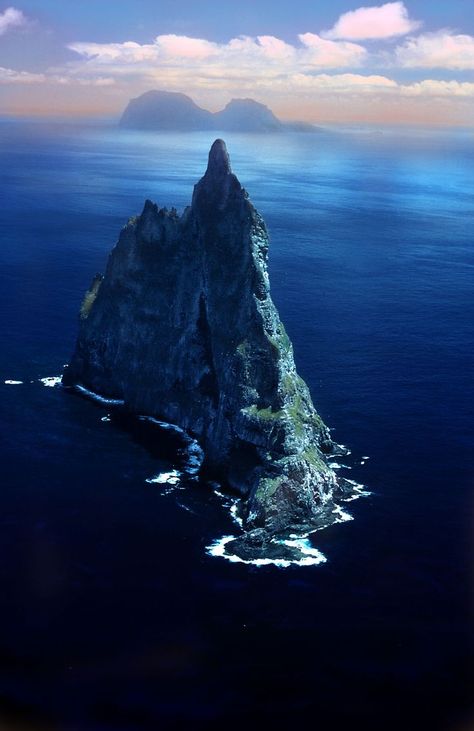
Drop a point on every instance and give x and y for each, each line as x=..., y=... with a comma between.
x=275, y=48
x=437, y=50
x=374, y=22
x=241, y=51
x=332, y=54
x=185, y=47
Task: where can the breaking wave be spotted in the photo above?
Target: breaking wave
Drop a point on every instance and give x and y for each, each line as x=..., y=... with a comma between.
x=97, y=397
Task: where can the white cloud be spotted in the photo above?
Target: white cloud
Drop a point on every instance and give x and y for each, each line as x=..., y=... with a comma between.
x=332, y=54
x=358, y=84
x=109, y=53
x=437, y=50
x=250, y=66
x=72, y=80
x=10, y=76
x=11, y=18
x=173, y=46
x=295, y=83
x=172, y=50
x=374, y=22
x=165, y=48
x=343, y=83
x=435, y=88
x=275, y=48
x=314, y=88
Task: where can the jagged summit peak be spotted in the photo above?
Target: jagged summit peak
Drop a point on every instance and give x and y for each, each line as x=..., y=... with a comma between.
x=219, y=160
x=219, y=185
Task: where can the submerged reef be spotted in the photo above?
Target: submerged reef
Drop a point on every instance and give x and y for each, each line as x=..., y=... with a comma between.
x=182, y=328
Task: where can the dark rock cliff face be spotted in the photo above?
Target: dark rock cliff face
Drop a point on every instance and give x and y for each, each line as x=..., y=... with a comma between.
x=182, y=327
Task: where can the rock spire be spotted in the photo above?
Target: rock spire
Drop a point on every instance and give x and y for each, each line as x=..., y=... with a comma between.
x=182, y=327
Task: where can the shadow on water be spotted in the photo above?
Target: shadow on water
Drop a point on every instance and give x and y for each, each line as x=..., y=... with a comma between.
x=159, y=440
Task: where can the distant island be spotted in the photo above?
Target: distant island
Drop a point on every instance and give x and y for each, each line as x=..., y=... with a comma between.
x=172, y=111
x=182, y=328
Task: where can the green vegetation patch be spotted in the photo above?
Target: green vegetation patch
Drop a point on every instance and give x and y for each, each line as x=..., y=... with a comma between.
x=266, y=414
x=268, y=487
x=90, y=296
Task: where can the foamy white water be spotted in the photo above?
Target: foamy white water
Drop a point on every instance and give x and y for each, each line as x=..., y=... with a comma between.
x=170, y=478
x=97, y=397
x=312, y=556
x=162, y=424
x=193, y=452
x=51, y=381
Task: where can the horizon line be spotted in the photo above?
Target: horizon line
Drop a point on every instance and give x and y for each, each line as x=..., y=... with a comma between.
x=40, y=115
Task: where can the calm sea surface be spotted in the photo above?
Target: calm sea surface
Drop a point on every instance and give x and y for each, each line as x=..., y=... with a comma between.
x=113, y=616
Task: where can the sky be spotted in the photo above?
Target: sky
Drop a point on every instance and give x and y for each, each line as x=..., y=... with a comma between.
x=313, y=60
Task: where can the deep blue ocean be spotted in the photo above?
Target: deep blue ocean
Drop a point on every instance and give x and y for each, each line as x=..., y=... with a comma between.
x=112, y=615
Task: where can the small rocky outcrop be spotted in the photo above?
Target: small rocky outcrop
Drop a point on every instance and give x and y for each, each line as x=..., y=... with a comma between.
x=182, y=327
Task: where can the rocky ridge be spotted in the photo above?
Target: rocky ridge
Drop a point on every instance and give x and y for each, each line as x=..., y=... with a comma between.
x=182, y=327
x=172, y=111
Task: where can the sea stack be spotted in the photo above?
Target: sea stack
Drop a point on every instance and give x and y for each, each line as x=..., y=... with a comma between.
x=182, y=327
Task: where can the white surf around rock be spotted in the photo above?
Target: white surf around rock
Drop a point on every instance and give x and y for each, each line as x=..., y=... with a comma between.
x=309, y=556
x=165, y=478
x=51, y=381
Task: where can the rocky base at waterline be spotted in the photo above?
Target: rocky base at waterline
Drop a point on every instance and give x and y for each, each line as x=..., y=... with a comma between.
x=182, y=328
x=284, y=548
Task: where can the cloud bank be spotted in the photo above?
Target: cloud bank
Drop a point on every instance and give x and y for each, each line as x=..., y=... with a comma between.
x=247, y=63
x=292, y=76
x=313, y=51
